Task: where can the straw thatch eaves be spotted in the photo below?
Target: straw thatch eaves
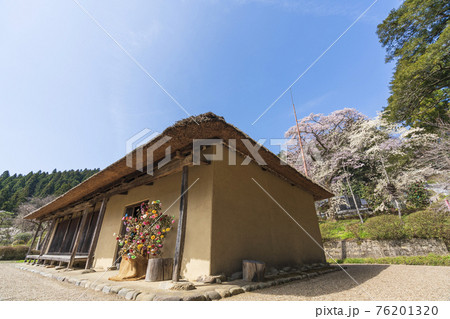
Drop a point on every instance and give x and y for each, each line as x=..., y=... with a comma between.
x=182, y=133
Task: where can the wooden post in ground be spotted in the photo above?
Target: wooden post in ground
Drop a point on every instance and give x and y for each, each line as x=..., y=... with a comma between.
x=253, y=270
x=34, y=238
x=179, y=248
x=78, y=238
x=94, y=241
x=47, y=237
x=39, y=240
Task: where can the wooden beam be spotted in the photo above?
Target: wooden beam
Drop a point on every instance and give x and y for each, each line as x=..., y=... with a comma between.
x=34, y=238
x=47, y=237
x=98, y=226
x=170, y=168
x=179, y=247
x=67, y=210
x=39, y=240
x=131, y=181
x=62, y=258
x=78, y=238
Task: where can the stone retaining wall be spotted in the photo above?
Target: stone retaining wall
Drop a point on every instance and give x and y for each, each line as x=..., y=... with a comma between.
x=383, y=248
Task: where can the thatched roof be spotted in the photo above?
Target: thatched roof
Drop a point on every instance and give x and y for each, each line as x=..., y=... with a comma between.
x=182, y=133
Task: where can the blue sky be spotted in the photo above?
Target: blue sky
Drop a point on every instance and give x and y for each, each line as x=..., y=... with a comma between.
x=70, y=98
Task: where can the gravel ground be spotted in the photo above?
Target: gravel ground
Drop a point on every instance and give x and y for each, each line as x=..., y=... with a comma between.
x=376, y=282
x=16, y=284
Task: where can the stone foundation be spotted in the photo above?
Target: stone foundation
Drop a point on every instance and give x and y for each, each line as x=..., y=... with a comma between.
x=384, y=248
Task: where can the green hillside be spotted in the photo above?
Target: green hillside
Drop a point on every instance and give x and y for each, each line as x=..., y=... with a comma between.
x=15, y=189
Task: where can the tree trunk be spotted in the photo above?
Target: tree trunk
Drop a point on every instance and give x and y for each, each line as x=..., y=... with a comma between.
x=253, y=270
x=159, y=269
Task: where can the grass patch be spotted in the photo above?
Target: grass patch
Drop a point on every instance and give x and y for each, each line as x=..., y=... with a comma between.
x=429, y=260
x=337, y=230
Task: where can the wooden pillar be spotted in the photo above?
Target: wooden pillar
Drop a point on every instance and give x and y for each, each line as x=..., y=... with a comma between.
x=78, y=238
x=179, y=248
x=94, y=241
x=34, y=238
x=47, y=237
x=40, y=239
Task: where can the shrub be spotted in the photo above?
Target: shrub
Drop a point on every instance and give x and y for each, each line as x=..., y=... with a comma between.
x=18, y=243
x=417, y=195
x=5, y=242
x=384, y=227
x=25, y=237
x=13, y=252
x=428, y=224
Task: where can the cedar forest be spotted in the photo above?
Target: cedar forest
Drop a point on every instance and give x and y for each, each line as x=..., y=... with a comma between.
x=16, y=189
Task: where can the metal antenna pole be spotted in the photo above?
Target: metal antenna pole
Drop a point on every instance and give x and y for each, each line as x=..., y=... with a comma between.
x=299, y=136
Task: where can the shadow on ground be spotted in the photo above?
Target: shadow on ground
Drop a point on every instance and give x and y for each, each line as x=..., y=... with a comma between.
x=329, y=283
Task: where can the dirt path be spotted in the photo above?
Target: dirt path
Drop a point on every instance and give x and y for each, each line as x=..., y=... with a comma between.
x=16, y=284
x=376, y=282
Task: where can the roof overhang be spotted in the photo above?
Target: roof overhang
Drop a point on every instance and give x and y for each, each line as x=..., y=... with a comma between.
x=182, y=134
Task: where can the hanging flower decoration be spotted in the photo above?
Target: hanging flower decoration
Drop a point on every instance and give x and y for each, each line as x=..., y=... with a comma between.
x=145, y=234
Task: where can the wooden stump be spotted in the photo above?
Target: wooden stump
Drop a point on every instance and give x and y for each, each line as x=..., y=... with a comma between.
x=253, y=270
x=159, y=269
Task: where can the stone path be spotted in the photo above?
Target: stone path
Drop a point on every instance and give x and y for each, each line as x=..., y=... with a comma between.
x=16, y=284
x=377, y=282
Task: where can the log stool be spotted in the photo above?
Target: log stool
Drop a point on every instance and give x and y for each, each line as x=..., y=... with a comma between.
x=159, y=269
x=253, y=270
